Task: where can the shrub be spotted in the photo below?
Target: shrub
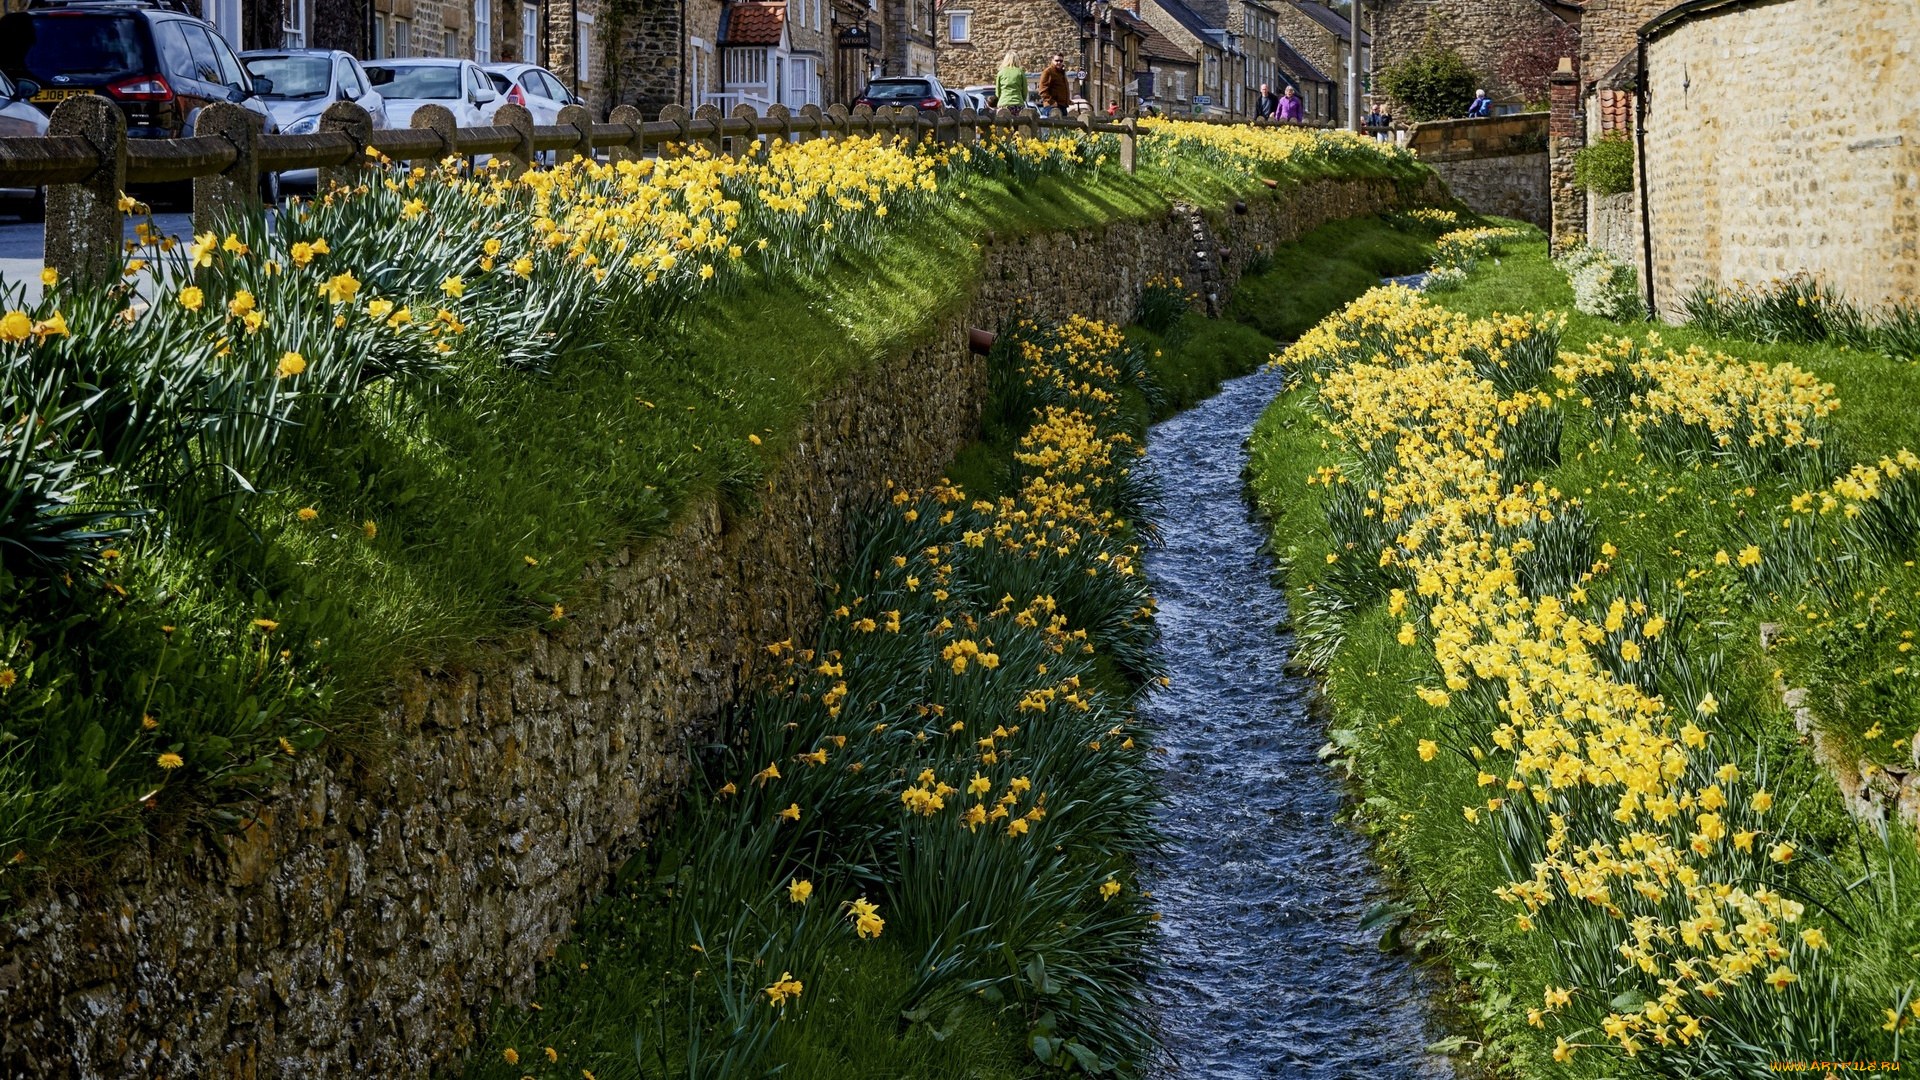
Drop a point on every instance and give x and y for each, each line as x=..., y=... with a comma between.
x=1602, y=286
x=1432, y=84
x=1605, y=167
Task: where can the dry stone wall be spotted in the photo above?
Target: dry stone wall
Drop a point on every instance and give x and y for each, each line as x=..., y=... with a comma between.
x=1497, y=165
x=379, y=903
x=1783, y=137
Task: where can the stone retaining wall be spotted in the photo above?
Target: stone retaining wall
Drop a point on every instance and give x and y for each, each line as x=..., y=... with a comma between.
x=1496, y=165
x=364, y=924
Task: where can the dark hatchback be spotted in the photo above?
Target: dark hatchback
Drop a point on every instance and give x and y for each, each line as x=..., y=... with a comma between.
x=161, y=66
x=923, y=93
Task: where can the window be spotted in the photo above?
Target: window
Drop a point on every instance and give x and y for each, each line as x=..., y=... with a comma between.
x=379, y=49
x=402, y=38
x=699, y=71
x=746, y=67
x=583, y=52
x=530, y=34
x=959, y=26
x=348, y=77
x=293, y=25
x=225, y=17
x=482, y=30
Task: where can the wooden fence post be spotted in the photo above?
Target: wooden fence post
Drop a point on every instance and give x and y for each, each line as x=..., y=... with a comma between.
x=520, y=119
x=967, y=131
x=812, y=112
x=859, y=112
x=784, y=115
x=579, y=119
x=907, y=117
x=636, y=148
x=439, y=120
x=349, y=119
x=82, y=233
x=1130, y=144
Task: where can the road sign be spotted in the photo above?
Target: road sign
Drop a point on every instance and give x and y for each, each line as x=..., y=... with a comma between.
x=1202, y=99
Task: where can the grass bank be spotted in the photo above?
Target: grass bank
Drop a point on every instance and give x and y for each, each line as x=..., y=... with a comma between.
x=311, y=463
x=1615, y=834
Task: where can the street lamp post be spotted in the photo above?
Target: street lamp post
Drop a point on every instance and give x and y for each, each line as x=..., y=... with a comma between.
x=1353, y=72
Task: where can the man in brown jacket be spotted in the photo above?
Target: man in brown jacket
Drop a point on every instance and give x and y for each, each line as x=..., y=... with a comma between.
x=1055, y=94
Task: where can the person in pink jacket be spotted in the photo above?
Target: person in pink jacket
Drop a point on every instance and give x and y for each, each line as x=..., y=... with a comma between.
x=1289, y=108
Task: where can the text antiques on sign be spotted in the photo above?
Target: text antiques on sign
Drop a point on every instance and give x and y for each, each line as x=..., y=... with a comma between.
x=856, y=37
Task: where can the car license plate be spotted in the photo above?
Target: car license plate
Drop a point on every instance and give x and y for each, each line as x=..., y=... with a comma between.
x=59, y=95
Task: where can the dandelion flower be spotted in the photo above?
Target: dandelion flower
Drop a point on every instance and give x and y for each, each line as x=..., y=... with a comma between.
x=170, y=761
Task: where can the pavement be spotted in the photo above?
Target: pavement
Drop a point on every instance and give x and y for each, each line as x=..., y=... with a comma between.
x=22, y=247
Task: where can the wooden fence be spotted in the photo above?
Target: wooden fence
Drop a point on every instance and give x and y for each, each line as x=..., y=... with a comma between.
x=86, y=160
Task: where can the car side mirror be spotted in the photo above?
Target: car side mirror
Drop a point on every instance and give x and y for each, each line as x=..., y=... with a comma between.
x=25, y=89
x=235, y=92
x=480, y=95
x=262, y=84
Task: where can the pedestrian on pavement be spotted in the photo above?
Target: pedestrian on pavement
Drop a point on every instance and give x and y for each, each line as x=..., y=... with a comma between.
x=1288, y=111
x=1269, y=105
x=1055, y=95
x=1010, y=83
x=1482, y=104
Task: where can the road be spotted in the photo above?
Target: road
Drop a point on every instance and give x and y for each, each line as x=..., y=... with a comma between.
x=22, y=246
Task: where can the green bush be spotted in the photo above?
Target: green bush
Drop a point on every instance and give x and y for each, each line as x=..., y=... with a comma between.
x=1432, y=84
x=1606, y=167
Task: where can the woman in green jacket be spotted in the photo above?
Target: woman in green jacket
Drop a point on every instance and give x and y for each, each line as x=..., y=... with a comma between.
x=1010, y=85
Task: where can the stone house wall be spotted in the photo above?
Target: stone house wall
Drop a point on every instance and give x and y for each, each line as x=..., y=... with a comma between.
x=1781, y=138
x=1320, y=47
x=1609, y=32
x=380, y=903
x=1036, y=29
x=1513, y=46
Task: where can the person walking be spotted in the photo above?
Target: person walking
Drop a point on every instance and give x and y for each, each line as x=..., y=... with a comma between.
x=1010, y=82
x=1288, y=111
x=1482, y=104
x=1269, y=105
x=1055, y=95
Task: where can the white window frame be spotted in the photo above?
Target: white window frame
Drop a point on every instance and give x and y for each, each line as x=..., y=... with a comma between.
x=963, y=19
x=530, y=35
x=402, y=38
x=699, y=70
x=449, y=43
x=379, y=36
x=583, y=53
x=482, y=31
x=293, y=24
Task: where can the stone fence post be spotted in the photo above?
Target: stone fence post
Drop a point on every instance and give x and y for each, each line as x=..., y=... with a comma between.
x=579, y=119
x=237, y=188
x=82, y=234
x=439, y=120
x=349, y=119
x=520, y=119
x=628, y=151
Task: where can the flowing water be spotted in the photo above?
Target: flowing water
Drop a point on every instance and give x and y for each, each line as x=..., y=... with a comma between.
x=1264, y=969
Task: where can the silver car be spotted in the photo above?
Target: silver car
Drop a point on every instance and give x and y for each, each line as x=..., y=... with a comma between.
x=459, y=85
x=298, y=85
x=19, y=118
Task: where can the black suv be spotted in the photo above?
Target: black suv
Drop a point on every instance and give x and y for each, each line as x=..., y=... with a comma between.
x=158, y=63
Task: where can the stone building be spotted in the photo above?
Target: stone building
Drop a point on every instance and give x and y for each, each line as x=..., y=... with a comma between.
x=1252, y=27
x=1609, y=63
x=1323, y=38
x=1513, y=46
x=1319, y=92
x=906, y=43
x=1169, y=75
x=1217, y=57
x=1101, y=44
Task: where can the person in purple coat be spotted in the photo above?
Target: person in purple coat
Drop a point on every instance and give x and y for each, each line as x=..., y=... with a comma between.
x=1289, y=109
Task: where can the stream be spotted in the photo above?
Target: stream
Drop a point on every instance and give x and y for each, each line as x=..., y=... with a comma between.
x=1264, y=970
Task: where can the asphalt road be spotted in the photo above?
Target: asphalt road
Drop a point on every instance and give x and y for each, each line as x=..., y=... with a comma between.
x=22, y=247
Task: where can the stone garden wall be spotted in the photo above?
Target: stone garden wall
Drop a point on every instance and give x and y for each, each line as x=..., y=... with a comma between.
x=1496, y=165
x=382, y=901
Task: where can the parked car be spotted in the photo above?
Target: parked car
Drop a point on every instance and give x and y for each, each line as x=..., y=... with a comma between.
x=459, y=85
x=923, y=92
x=982, y=95
x=18, y=117
x=301, y=84
x=532, y=86
x=159, y=64
x=965, y=99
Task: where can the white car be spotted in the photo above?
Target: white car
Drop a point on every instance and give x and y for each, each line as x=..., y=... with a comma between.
x=19, y=118
x=532, y=86
x=459, y=85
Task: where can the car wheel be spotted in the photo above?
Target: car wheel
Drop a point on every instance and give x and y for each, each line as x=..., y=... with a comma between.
x=35, y=212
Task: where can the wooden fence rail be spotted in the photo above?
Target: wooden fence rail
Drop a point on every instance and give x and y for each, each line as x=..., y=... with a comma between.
x=86, y=160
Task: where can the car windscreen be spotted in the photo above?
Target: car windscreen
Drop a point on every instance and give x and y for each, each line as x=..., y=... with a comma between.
x=900, y=90
x=293, y=76
x=501, y=83
x=440, y=82
x=87, y=47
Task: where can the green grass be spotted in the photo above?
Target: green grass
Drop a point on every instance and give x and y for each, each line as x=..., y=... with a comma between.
x=1667, y=523
x=1305, y=281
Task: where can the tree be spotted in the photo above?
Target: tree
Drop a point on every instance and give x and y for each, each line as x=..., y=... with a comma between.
x=1431, y=84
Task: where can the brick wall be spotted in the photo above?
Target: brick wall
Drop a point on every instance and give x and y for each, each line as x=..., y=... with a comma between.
x=1496, y=166
x=1784, y=137
x=1512, y=45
